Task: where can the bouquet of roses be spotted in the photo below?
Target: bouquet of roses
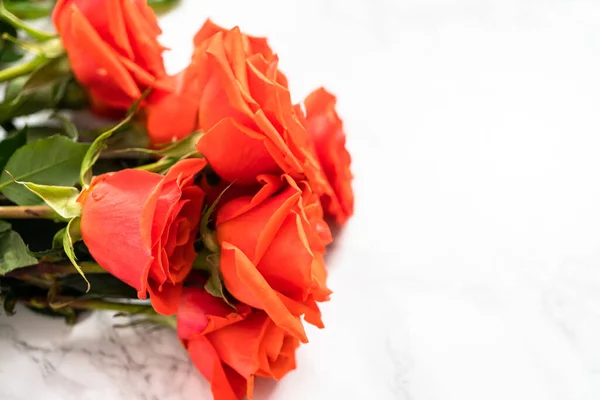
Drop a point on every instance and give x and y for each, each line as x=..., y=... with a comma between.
x=211, y=195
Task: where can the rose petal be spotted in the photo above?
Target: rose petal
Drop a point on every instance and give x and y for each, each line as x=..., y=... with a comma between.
x=172, y=118
x=117, y=31
x=287, y=264
x=201, y=313
x=217, y=59
x=254, y=230
x=242, y=204
x=141, y=26
x=238, y=344
x=96, y=65
x=326, y=131
x=246, y=284
x=308, y=308
x=115, y=212
x=277, y=353
x=249, y=158
x=165, y=299
x=253, y=44
x=226, y=384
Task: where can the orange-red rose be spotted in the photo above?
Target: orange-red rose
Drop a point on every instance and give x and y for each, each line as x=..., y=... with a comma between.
x=252, y=45
x=326, y=131
x=112, y=48
x=176, y=115
x=272, y=247
x=234, y=91
x=141, y=226
x=231, y=347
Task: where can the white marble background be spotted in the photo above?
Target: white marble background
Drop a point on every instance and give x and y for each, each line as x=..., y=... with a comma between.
x=471, y=270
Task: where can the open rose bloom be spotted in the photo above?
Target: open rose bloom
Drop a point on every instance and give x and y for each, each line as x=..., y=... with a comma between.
x=223, y=222
x=112, y=49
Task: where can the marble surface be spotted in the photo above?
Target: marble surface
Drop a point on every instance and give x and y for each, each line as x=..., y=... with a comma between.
x=472, y=267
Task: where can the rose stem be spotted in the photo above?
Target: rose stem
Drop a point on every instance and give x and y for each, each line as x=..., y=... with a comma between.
x=120, y=154
x=48, y=268
x=72, y=302
x=13, y=20
x=26, y=212
x=21, y=69
x=158, y=166
x=127, y=308
x=109, y=305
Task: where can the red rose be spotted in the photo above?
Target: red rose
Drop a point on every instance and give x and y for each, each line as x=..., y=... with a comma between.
x=234, y=91
x=252, y=45
x=141, y=226
x=176, y=115
x=230, y=348
x=112, y=48
x=326, y=131
x=272, y=247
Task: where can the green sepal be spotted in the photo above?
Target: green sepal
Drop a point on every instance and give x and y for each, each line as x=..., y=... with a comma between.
x=62, y=199
x=14, y=253
x=210, y=264
x=69, y=235
x=206, y=234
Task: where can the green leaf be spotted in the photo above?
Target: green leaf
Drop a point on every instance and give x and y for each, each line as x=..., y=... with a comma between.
x=62, y=199
x=92, y=154
x=10, y=144
x=49, y=86
x=13, y=252
x=54, y=161
x=4, y=226
x=9, y=52
x=214, y=285
x=72, y=234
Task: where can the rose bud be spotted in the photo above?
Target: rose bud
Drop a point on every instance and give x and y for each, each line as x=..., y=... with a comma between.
x=230, y=348
x=141, y=226
x=112, y=48
x=326, y=132
x=272, y=247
